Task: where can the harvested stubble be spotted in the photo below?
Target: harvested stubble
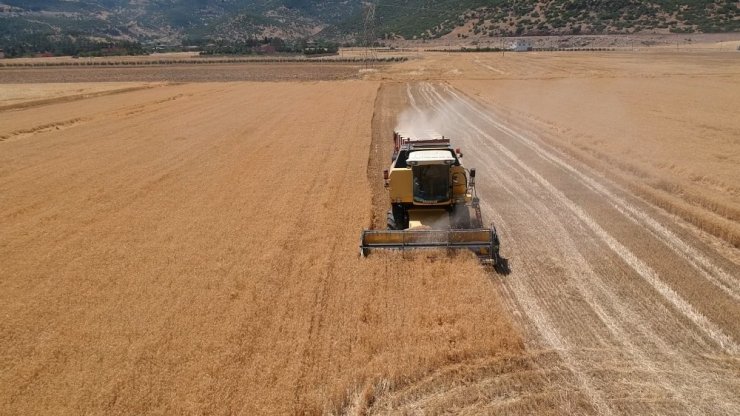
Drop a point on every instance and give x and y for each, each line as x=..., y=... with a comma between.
x=193, y=249
x=680, y=157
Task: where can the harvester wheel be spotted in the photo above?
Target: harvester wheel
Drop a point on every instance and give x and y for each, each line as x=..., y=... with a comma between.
x=400, y=218
x=392, y=221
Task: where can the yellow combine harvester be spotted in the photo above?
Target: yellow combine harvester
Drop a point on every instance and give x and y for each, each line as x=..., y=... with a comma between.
x=433, y=201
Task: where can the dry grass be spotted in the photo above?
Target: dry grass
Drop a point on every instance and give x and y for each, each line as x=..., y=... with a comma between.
x=193, y=249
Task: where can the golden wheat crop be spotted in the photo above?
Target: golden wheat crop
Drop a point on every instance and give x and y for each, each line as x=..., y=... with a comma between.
x=193, y=249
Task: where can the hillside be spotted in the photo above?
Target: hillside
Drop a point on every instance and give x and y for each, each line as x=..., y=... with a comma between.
x=432, y=19
x=171, y=21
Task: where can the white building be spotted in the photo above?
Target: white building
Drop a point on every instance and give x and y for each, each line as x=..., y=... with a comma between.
x=521, y=45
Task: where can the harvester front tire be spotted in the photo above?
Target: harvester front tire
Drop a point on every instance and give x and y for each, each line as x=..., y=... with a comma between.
x=391, y=221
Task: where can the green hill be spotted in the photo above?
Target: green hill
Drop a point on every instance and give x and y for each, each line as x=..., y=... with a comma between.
x=430, y=19
x=171, y=21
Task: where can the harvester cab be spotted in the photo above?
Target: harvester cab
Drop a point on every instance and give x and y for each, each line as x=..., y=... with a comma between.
x=433, y=201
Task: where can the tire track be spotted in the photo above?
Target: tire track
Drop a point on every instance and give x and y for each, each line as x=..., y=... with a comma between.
x=710, y=271
x=43, y=128
x=523, y=179
x=645, y=271
x=582, y=275
x=537, y=313
x=660, y=356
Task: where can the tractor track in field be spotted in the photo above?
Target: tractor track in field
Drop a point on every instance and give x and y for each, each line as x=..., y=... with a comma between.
x=625, y=311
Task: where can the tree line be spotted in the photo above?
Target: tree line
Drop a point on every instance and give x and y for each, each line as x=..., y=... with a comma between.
x=261, y=46
x=53, y=45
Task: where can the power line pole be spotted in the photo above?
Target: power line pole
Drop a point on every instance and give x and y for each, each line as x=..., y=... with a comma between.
x=369, y=32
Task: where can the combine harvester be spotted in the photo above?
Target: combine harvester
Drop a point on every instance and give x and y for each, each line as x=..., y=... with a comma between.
x=433, y=202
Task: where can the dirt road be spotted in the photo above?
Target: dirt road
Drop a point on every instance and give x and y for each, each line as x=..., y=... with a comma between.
x=626, y=309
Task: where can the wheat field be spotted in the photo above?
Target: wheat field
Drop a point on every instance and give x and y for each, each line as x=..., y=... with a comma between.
x=194, y=249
